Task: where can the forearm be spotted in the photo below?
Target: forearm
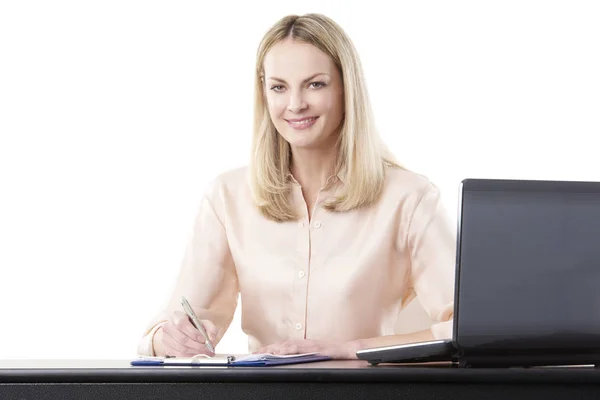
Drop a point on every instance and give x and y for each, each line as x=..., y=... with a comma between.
x=389, y=340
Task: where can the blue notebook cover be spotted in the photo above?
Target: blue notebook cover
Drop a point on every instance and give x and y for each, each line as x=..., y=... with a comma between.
x=252, y=360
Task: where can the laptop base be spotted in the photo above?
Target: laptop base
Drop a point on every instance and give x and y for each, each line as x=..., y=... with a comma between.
x=528, y=360
x=421, y=352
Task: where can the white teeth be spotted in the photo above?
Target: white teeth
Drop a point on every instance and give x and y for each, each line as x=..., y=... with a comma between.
x=303, y=122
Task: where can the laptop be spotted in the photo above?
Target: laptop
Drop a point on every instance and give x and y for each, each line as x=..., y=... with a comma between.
x=527, y=289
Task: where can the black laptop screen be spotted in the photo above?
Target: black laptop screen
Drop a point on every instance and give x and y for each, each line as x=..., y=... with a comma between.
x=529, y=265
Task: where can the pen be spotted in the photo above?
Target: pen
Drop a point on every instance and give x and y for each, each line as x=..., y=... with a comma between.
x=188, y=310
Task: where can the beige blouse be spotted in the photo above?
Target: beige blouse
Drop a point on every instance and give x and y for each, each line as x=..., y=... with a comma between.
x=343, y=276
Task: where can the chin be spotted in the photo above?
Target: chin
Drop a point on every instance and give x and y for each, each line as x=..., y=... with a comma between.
x=301, y=138
x=302, y=144
x=304, y=138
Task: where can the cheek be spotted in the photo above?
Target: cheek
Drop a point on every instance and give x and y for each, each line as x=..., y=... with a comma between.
x=339, y=103
x=331, y=105
x=276, y=105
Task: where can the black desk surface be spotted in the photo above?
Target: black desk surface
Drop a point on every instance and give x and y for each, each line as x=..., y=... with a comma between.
x=103, y=379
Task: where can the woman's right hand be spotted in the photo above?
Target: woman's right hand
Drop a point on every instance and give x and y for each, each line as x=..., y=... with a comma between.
x=179, y=337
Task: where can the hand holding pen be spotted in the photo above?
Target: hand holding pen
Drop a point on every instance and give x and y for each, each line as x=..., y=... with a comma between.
x=190, y=313
x=184, y=335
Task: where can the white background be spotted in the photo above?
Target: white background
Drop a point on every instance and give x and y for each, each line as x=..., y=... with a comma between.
x=115, y=114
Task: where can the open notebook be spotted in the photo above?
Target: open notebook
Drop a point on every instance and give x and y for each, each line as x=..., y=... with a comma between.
x=248, y=360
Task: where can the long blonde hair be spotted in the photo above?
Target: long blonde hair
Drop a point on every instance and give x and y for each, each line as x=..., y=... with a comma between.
x=362, y=156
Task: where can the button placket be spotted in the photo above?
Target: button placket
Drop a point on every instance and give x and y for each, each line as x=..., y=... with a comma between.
x=297, y=315
x=313, y=228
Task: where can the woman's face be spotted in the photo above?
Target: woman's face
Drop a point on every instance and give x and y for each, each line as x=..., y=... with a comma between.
x=304, y=93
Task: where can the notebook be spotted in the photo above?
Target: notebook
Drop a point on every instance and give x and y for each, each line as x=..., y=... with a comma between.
x=248, y=360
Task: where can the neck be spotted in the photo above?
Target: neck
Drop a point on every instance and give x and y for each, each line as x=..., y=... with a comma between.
x=312, y=167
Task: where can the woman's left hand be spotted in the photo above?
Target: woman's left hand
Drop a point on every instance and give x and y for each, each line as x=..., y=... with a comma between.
x=335, y=350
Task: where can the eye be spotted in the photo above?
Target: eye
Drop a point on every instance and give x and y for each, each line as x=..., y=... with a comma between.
x=277, y=88
x=317, y=85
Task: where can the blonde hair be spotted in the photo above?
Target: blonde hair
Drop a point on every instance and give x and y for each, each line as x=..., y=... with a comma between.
x=362, y=156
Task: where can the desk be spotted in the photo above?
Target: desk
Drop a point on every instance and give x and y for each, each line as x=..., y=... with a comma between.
x=102, y=379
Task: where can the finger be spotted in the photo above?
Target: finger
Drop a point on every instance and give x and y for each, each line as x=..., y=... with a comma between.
x=178, y=336
x=268, y=349
x=174, y=348
x=292, y=349
x=278, y=349
x=211, y=330
x=183, y=324
x=299, y=347
x=288, y=348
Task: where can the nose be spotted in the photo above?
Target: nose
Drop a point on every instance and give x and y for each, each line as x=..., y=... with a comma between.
x=296, y=102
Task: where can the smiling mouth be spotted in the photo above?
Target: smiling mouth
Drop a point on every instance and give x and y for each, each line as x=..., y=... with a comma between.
x=302, y=123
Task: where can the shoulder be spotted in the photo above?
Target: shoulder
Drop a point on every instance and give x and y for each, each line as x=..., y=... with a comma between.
x=234, y=177
x=401, y=182
x=228, y=183
x=406, y=191
x=228, y=191
x=418, y=203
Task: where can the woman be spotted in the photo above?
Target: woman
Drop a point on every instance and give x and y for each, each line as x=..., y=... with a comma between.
x=324, y=235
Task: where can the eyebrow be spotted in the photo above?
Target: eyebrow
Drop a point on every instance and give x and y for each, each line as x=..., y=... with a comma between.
x=304, y=81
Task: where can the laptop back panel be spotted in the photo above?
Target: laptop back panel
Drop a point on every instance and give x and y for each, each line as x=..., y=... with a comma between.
x=528, y=267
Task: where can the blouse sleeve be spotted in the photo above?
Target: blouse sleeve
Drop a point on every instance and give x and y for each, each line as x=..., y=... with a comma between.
x=207, y=277
x=432, y=247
